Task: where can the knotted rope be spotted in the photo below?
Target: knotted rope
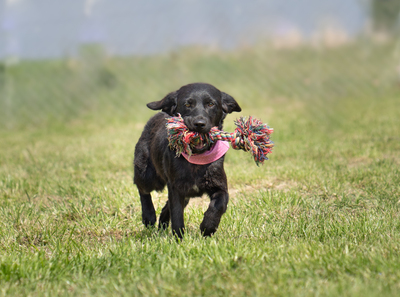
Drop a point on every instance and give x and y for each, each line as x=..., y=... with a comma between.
x=251, y=135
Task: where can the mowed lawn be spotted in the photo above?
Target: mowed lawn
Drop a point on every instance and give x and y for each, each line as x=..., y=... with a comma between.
x=320, y=218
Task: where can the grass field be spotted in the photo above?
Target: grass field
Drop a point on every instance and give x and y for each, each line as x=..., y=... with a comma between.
x=320, y=218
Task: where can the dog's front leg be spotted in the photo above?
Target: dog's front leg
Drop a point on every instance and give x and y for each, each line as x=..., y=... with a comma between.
x=216, y=208
x=176, y=203
x=165, y=215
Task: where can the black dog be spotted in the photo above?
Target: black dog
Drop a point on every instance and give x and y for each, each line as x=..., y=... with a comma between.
x=202, y=107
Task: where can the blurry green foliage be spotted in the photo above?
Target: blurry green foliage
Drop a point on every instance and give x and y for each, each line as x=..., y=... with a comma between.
x=94, y=84
x=385, y=14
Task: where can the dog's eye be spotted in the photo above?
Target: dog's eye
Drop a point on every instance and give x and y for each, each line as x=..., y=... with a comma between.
x=187, y=104
x=210, y=104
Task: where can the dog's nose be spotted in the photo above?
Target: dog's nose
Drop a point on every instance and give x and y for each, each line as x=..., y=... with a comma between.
x=200, y=124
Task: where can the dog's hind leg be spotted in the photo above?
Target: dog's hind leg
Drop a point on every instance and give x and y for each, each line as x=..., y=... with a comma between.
x=146, y=180
x=148, y=211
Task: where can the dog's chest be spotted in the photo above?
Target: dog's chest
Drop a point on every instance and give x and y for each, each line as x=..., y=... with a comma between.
x=205, y=179
x=195, y=184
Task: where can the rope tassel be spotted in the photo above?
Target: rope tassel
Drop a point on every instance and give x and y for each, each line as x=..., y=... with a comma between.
x=251, y=135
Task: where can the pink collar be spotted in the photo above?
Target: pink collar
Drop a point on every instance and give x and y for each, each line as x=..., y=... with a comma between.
x=217, y=151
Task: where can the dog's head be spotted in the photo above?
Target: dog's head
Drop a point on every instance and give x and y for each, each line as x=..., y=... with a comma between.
x=202, y=106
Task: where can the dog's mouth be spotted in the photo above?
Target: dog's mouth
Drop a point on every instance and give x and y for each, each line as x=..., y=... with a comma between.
x=201, y=144
x=200, y=147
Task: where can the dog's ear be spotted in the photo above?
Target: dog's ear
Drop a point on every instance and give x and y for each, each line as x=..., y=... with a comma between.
x=229, y=104
x=167, y=104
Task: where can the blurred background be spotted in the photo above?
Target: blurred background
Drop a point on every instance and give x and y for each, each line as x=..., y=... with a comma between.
x=101, y=61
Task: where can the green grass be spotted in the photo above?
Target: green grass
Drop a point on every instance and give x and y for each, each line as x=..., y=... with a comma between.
x=321, y=217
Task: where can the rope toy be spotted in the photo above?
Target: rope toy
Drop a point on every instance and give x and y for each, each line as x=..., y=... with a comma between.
x=251, y=135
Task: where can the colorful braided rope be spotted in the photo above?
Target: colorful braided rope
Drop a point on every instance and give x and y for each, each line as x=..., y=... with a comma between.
x=251, y=135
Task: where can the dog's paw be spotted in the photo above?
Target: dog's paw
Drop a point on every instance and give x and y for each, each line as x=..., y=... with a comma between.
x=149, y=221
x=163, y=225
x=207, y=231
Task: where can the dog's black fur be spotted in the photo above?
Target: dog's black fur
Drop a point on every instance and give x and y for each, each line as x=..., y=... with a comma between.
x=202, y=107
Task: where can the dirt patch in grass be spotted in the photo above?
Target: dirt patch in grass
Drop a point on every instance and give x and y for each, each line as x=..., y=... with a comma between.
x=36, y=240
x=235, y=193
x=358, y=161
